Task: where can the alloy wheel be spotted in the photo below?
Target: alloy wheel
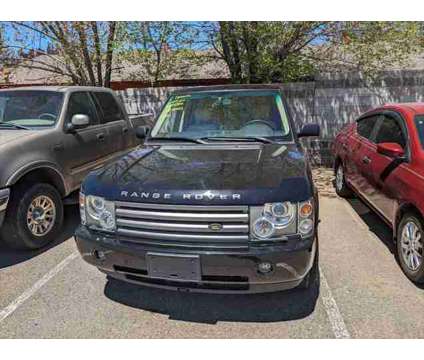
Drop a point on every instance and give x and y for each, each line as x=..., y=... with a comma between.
x=412, y=246
x=41, y=215
x=339, y=178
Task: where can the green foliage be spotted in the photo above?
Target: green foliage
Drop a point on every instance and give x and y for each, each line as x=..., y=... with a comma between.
x=266, y=51
x=87, y=53
x=371, y=47
x=164, y=49
x=291, y=51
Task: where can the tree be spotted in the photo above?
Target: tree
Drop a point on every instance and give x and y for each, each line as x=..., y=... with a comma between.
x=162, y=48
x=3, y=47
x=266, y=51
x=289, y=51
x=81, y=51
x=370, y=47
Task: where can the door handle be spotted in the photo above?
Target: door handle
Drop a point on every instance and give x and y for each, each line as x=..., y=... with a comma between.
x=125, y=130
x=366, y=160
x=101, y=137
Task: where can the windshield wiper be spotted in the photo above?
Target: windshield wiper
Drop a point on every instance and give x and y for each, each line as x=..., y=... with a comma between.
x=240, y=139
x=15, y=126
x=183, y=139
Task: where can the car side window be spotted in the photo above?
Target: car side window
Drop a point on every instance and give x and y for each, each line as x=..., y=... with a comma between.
x=390, y=130
x=80, y=103
x=109, y=107
x=365, y=126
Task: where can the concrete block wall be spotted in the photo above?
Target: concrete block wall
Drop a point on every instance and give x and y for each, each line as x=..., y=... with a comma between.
x=332, y=101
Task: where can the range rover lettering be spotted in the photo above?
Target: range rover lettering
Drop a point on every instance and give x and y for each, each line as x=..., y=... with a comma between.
x=218, y=198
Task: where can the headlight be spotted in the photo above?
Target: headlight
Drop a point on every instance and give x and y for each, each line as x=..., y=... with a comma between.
x=274, y=221
x=99, y=213
x=306, y=218
x=281, y=213
x=263, y=228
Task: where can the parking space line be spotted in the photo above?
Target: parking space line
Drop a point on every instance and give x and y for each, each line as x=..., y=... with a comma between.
x=333, y=313
x=8, y=310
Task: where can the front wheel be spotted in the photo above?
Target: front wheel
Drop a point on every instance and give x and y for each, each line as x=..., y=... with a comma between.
x=34, y=216
x=342, y=188
x=410, y=241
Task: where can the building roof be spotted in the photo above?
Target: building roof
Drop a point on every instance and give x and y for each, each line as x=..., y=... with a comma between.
x=229, y=87
x=57, y=88
x=30, y=71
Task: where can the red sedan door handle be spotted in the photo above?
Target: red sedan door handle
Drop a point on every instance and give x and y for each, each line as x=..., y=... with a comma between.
x=366, y=160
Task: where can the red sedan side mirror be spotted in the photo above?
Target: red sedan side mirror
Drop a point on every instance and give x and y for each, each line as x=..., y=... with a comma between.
x=393, y=150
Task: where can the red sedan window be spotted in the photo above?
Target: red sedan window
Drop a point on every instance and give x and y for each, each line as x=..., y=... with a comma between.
x=419, y=123
x=365, y=126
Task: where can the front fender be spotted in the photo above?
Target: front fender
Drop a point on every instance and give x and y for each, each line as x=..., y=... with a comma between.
x=18, y=173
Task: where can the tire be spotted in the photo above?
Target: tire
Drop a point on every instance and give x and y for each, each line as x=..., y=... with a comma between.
x=342, y=189
x=16, y=231
x=410, y=252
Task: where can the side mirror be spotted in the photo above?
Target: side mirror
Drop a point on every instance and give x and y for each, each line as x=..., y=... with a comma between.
x=392, y=150
x=141, y=132
x=78, y=121
x=309, y=130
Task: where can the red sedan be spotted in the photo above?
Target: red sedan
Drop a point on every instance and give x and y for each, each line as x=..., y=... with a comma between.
x=380, y=157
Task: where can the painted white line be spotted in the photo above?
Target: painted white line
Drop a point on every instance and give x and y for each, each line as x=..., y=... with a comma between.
x=8, y=310
x=333, y=313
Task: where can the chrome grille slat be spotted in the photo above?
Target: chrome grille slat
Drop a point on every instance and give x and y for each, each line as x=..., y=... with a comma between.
x=181, y=216
x=183, y=226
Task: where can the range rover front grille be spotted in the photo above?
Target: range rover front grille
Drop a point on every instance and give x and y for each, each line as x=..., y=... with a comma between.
x=184, y=226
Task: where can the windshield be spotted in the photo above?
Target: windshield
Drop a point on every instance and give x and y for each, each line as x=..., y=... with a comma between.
x=232, y=114
x=30, y=108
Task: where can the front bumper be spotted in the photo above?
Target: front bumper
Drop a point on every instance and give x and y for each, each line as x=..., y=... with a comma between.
x=221, y=272
x=4, y=199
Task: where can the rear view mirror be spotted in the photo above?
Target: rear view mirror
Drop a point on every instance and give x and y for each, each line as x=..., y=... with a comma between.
x=309, y=130
x=392, y=150
x=141, y=132
x=78, y=121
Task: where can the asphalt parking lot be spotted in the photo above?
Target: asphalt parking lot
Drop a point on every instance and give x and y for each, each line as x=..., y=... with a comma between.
x=362, y=294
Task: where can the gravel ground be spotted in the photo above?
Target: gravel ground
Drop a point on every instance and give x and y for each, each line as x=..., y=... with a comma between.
x=323, y=179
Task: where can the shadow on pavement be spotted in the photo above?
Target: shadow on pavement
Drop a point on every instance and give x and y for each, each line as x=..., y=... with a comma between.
x=9, y=257
x=211, y=308
x=378, y=227
x=374, y=222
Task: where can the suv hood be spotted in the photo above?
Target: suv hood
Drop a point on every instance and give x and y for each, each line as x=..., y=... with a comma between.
x=205, y=174
x=8, y=135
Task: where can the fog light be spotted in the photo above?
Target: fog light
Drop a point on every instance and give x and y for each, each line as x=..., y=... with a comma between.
x=305, y=226
x=265, y=267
